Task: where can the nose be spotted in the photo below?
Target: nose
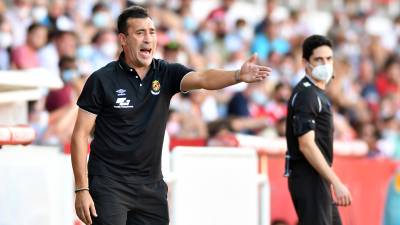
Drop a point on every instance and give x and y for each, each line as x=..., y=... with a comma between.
x=147, y=38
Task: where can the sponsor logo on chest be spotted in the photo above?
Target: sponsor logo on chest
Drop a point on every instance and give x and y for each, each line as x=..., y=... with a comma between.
x=122, y=102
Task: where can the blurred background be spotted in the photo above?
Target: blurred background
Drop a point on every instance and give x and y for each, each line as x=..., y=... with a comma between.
x=48, y=48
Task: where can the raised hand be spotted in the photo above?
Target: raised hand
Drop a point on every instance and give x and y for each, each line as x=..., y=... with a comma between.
x=251, y=72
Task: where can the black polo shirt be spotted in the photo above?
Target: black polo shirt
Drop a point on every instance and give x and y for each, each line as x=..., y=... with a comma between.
x=309, y=109
x=131, y=118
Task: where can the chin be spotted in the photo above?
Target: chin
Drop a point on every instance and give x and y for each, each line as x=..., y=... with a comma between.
x=147, y=62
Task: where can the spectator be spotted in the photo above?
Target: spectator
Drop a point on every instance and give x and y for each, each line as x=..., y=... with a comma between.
x=19, y=19
x=101, y=16
x=66, y=95
x=365, y=89
x=388, y=81
x=63, y=43
x=104, y=48
x=27, y=55
x=61, y=104
x=57, y=19
x=269, y=41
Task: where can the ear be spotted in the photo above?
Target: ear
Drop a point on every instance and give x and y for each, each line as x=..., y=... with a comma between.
x=305, y=64
x=122, y=39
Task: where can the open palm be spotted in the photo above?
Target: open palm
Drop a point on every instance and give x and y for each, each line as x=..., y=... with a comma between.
x=251, y=72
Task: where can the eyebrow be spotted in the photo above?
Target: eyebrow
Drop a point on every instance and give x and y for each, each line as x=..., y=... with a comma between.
x=143, y=29
x=320, y=57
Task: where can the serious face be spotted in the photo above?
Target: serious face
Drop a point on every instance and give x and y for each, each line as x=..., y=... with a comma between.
x=321, y=55
x=139, y=43
x=38, y=37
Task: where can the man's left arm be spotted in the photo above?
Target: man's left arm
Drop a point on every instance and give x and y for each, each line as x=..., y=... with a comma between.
x=213, y=79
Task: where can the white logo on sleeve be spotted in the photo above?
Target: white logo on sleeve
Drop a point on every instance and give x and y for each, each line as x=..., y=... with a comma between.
x=122, y=103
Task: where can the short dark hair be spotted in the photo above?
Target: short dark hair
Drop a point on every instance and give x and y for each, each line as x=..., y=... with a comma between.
x=135, y=12
x=35, y=26
x=66, y=62
x=313, y=42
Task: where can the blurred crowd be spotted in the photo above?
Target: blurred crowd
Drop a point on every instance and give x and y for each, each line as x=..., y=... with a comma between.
x=73, y=38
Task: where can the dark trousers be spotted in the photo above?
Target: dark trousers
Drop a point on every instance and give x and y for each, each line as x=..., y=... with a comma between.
x=129, y=204
x=312, y=197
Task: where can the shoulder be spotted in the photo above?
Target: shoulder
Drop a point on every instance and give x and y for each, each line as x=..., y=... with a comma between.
x=304, y=92
x=161, y=64
x=305, y=87
x=106, y=71
x=171, y=68
x=18, y=50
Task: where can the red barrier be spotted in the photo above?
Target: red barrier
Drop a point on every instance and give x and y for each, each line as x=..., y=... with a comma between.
x=186, y=142
x=16, y=135
x=367, y=180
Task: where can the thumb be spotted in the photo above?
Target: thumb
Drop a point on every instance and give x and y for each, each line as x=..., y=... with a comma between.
x=253, y=58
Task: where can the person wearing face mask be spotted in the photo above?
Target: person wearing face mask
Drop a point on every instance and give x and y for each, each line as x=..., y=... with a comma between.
x=101, y=16
x=105, y=48
x=60, y=104
x=127, y=104
x=18, y=15
x=309, y=136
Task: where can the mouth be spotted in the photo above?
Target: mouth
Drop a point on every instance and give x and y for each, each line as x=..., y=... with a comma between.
x=145, y=52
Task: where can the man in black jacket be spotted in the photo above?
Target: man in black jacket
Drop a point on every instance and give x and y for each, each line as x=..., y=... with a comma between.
x=309, y=136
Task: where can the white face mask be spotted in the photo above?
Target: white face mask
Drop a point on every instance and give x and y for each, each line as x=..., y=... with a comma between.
x=39, y=13
x=101, y=19
x=109, y=49
x=322, y=72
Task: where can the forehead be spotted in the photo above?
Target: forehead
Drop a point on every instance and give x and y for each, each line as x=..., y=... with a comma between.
x=322, y=51
x=140, y=23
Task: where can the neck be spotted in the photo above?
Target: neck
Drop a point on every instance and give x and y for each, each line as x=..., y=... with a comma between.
x=141, y=70
x=318, y=83
x=31, y=46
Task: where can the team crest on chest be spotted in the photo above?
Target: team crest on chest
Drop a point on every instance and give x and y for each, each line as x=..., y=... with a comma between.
x=155, y=87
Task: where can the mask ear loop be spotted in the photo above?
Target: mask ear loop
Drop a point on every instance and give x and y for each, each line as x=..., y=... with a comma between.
x=309, y=65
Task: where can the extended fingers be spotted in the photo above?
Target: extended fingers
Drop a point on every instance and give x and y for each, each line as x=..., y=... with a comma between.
x=264, y=68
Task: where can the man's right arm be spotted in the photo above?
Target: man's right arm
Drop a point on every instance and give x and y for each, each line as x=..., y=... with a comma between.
x=84, y=205
x=314, y=156
x=79, y=146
